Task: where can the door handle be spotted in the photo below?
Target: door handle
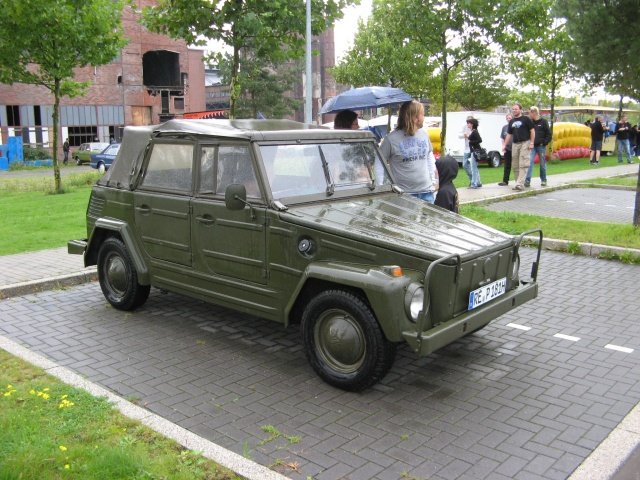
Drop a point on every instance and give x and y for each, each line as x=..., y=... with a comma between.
x=144, y=209
x=206, y=220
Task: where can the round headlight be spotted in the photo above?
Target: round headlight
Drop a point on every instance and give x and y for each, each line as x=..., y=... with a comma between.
x=515, y=268
x=413, y=301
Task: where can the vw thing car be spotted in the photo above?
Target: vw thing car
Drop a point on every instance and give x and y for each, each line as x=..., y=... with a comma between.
x=302, y=226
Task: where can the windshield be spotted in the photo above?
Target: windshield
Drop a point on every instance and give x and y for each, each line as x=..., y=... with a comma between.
x=326, y=168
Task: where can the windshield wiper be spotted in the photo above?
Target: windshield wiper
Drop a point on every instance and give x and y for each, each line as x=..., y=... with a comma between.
x=331, y=188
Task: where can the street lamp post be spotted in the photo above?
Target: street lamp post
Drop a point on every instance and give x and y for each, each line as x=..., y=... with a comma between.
x=308, y=112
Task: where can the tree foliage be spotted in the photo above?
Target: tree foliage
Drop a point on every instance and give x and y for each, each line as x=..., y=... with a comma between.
x=273, y=30
x=446, y=34
x=265, y=86
x=603, y=35
x=375, y=59
x=479, y=85
x=543, y=62
x=42, y=42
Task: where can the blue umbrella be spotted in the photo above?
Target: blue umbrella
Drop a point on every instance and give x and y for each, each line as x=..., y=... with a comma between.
x=365, y=97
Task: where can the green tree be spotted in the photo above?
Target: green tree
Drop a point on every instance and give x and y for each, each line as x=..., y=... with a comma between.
x=479, y=85
x=375, y=59
x=543, y=61
x=603, y=36
x=265, y=86
x=449, y=33
x=43, y=41
x=273, y=30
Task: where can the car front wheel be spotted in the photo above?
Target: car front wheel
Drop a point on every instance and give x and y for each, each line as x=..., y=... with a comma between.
x=78, y=161
x=101, y=167
x=343, y=341
x=118, y=276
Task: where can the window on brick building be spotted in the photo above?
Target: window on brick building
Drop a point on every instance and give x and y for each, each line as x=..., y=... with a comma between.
x=13, y=116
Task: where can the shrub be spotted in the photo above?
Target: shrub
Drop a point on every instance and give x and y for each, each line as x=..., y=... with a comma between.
x=35, y=153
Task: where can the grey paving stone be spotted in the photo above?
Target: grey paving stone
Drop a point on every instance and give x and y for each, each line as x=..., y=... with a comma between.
x=493, y=400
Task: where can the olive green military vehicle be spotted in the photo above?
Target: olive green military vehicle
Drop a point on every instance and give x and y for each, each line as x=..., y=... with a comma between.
x=298, y=225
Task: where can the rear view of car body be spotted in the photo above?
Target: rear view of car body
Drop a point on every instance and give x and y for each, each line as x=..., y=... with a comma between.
x=103, y=160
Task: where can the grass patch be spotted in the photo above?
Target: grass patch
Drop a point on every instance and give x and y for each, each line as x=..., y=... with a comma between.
x=572, y=230
x=51, y=430
x=628, y=181
x=35, y=221
x=34, y=218
x=494, y=175
x=46, y=183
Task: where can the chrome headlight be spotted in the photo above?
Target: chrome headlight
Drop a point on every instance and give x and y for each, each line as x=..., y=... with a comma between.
x=414, y=301
x=515, y=268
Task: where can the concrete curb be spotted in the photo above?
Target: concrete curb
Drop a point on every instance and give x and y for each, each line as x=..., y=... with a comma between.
x=50, y=283
x=240, y=465
x=587, y=249
x=611, y=454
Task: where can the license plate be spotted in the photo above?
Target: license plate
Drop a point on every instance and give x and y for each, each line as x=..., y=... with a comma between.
x=487, y=293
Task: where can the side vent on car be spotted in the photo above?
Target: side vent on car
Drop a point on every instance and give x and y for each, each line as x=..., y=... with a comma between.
x=96, y=205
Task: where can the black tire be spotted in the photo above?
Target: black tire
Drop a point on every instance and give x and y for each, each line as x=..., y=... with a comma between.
x=78, y=161
x=494, y=159
x=343, y=341
x=101, y=168
x=118, y=276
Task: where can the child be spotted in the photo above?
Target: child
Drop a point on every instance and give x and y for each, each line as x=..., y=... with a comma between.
x=447, y=196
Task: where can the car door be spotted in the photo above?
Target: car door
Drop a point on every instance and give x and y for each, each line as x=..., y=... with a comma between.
x=229, y=243
x=162, y=202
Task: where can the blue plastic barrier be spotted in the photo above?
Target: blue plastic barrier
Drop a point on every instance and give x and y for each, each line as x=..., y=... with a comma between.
x=15, y=152
x=4, y=163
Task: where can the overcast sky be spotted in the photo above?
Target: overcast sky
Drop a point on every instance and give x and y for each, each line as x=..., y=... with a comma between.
x=346, y=28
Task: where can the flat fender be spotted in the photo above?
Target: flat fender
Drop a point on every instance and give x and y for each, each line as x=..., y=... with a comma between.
x=124, y=230
x=384, y=293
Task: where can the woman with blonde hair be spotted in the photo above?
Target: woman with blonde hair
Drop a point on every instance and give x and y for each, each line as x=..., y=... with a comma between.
x=409, y=153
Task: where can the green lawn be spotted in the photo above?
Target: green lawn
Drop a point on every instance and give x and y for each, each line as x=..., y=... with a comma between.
x=35, y=221
x=494, y=175
x=51, y=430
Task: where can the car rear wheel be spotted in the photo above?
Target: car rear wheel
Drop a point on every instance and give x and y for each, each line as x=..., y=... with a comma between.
x=118, y=276
x=494, y=159
x=343, y=341
x=101, y=167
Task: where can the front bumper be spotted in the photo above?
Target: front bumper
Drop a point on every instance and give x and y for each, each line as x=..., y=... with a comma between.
x=76, y=247
x=425, y=338
x=426, y=342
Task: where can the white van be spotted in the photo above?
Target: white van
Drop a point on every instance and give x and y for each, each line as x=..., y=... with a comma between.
x=489, y=126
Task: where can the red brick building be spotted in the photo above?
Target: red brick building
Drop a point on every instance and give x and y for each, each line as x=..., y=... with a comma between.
x=154, y=78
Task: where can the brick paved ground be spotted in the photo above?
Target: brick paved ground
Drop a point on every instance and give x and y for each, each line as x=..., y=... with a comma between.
x=505, y=403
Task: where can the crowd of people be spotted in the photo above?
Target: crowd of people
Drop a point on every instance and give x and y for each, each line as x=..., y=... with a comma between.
x=627, y=138
x=410, y=156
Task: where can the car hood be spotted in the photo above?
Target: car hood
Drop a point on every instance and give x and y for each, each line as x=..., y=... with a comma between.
x=403, y=223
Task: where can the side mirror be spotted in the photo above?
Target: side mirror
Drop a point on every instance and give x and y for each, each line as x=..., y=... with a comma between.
x=235, y=196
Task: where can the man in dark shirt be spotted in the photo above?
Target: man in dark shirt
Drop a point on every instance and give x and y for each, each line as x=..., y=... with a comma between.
x=598, y=128
x=623, y=130
x=522, y=133
x=506, y=152
x=540, y=142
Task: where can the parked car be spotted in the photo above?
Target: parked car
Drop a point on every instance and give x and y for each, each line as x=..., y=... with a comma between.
x=298, y=225
x=83, y=154
x=103, y=160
